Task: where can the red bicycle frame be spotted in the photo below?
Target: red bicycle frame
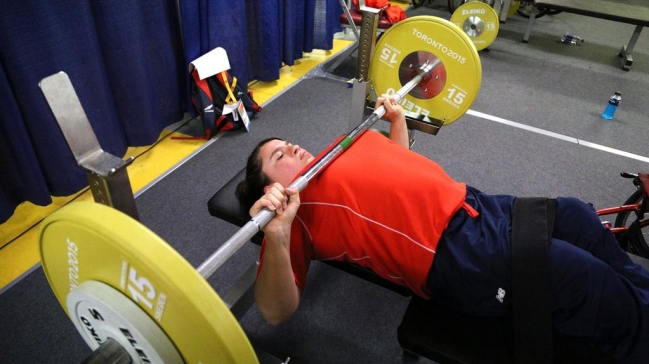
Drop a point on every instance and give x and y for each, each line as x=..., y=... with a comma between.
x=618, y=209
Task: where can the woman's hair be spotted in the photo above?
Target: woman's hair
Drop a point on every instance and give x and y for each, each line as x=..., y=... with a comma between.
x=252, y=188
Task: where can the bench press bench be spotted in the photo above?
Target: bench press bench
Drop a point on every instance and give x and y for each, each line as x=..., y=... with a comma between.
x=430, y=329
x=635, y=12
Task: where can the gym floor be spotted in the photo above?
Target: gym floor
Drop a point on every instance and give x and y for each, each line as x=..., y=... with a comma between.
x=535, y=129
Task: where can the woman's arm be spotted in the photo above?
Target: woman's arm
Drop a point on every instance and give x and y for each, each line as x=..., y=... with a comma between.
x=397, y=117
x=276, y=293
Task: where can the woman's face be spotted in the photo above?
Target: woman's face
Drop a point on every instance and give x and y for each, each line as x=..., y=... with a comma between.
x=281, y=161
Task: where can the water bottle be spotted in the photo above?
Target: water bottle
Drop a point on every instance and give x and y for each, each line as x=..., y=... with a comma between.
x=613, y=103
x=571, y=39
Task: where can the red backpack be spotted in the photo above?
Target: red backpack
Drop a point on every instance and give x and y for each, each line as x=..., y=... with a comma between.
x=211, y=94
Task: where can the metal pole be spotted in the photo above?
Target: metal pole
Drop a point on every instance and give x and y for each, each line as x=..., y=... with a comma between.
x=110, y=352
x=361, y=83
x=349, y=18
x=232, y=245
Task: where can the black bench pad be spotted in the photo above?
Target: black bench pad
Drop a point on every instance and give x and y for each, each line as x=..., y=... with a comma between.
x=634, y=12
x=225, y=206
x=446, y=336
x=224, y=203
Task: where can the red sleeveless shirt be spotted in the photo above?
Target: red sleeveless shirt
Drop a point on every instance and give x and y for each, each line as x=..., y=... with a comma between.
x=378, y=205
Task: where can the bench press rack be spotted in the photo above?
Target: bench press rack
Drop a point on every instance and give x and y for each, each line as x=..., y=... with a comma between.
x=106, y=173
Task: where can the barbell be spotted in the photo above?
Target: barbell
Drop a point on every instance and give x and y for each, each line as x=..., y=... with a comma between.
x=410, y=43
x=125, y=288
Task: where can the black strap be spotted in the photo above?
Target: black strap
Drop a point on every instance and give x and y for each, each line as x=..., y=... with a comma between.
x=531, y=233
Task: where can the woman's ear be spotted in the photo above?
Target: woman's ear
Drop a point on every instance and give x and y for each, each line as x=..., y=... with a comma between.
x=266, y=189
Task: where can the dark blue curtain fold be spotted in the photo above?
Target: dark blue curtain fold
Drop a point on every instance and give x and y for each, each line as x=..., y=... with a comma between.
x=259, y=36
x=125, y=60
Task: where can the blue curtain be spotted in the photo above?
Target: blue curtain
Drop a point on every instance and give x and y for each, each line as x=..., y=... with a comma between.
x=125, y=60
x=259, y=36
x=128, y=64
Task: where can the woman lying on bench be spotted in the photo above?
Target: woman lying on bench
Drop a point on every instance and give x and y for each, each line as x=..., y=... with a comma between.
x=385, y=207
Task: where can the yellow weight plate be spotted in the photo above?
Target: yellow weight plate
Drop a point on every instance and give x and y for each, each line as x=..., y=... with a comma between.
x=513, y=6
x=452, y=86
x=84, y=242
x=479, y=21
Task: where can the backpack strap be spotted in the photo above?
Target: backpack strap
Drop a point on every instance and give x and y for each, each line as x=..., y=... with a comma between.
x=532, y=318
x=225, y=81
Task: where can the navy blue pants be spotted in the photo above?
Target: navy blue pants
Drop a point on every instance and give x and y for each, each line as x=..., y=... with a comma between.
x=597, y=291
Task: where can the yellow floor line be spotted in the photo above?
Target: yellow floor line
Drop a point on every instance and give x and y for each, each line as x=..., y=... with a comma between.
x=18, y=236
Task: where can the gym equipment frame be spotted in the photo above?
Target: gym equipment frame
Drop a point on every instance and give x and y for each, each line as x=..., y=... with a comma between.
x=121, y=284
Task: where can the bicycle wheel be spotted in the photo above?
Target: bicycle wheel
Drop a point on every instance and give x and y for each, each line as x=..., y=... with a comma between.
x=525, y=9
x=633, y=240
